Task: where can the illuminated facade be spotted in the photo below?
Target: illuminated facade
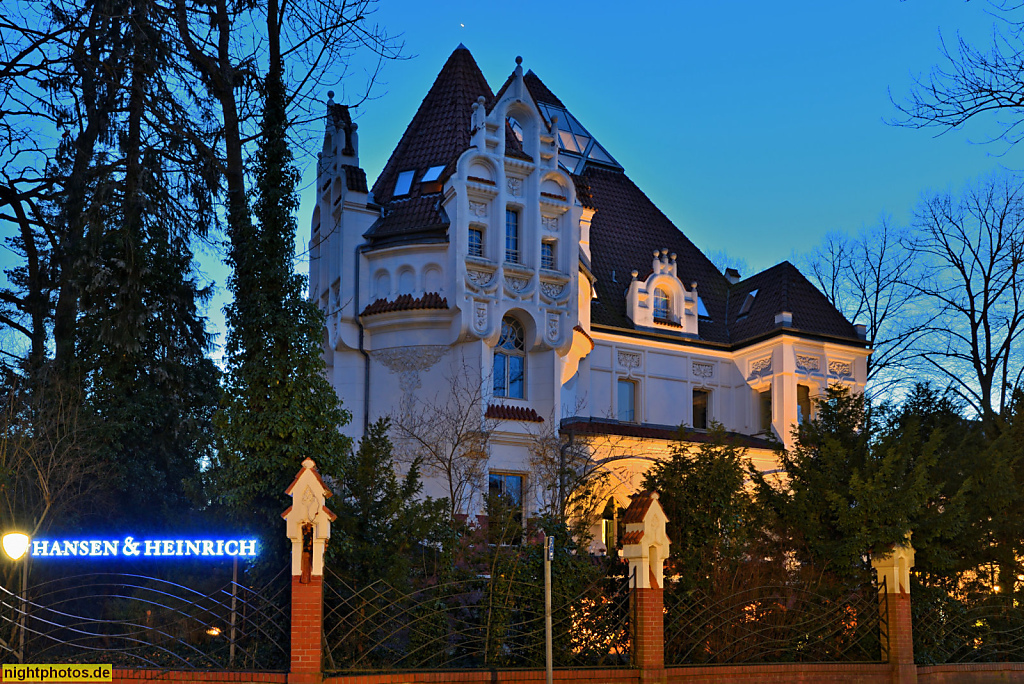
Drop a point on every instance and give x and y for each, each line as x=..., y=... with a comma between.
x=503, y=244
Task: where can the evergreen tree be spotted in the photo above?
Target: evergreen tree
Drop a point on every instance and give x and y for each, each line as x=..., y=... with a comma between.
x=851, y=487
x=712, y=520
x=278, y=407
x=382, y=521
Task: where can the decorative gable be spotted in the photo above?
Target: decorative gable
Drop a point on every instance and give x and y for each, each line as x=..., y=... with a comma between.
x=646, y=544
x=308, y=521
x=662, y=301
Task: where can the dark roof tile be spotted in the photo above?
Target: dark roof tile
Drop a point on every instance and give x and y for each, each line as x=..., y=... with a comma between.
x=430, y=300
x=638, y=508
x=502, y=412
x=626, y=229
x=440, y=130
x=355, y=178
x=784, y=288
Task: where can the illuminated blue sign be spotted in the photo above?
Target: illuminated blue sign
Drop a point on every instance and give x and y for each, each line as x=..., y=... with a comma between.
x=130, y=548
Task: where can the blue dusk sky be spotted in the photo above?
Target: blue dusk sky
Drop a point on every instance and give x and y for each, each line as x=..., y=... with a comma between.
x=756, y=127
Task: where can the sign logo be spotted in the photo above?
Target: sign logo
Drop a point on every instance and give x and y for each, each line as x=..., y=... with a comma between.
x=130, y=548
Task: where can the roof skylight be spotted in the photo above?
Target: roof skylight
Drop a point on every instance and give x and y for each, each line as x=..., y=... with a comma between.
x=404, y=183
x=432, y=174
x=701, y=309
x=748, y=302
x=574, y=139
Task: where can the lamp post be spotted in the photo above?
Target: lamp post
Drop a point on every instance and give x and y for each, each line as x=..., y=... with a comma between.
x=16, y=547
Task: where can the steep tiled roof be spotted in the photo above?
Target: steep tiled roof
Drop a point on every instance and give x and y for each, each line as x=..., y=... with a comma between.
x=599, y=426
x=626, y=230
x=634, y=537
x=355, y=178
x=430, y=300
x=440, y=130
x=638, y=508
x=539, y=91
x=502, y=412
x=784, y=288
x=420, y=216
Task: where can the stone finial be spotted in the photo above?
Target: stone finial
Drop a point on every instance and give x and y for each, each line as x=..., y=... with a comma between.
x=894, y=565
x=308, y=521
x=646, y=544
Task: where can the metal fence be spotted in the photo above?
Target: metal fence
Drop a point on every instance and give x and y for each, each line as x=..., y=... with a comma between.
x=775, y=624
x=979, y=628
x=134, y=620
x=474, y=622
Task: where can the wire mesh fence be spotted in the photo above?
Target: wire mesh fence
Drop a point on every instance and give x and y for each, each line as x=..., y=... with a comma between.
x=134, y=620
x=977, y=628
x=775, y=624
x=475, y=622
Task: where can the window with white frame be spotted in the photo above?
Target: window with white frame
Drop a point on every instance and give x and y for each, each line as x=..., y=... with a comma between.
x=512, y=236
x=547, y=254
x=764, y=403
x=701, y=402
x=661, y=304
x=505, y=507
x=476, y=241
x=510, y=360
x=803, y=403
x=626, y=407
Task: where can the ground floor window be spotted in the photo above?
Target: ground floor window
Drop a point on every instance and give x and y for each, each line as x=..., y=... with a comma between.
x=700, y=408
x=505, y=507
x=765, y=405
x=803, y=403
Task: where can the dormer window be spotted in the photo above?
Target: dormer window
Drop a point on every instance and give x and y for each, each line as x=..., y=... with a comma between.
x=661, y=305
x=516, y=127
x=404, y=183
x=747, y=303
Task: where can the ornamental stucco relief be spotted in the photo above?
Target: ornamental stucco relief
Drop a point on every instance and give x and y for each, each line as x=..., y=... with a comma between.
x=761, y=367
x=703, y=371
x=549, y=223
x=515, y=187
x=843, y=369
x=552, y=327
x=480, y=279
x=478, y=209
x=629, y=360
x=552, y=290
x=517, y=284
x=480, y=317
x=408, y=363
x=808, y=364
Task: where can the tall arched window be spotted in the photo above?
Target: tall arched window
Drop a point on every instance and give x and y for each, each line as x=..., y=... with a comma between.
x=661, y=304
x=510, y=360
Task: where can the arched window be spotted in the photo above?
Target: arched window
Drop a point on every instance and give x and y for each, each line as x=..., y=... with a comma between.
x=510, y=360
x=661, y=307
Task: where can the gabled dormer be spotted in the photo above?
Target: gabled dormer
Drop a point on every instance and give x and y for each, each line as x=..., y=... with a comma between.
x=661, y=301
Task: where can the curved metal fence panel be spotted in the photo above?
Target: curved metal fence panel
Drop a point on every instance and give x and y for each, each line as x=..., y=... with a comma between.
x=975, y=629
x=774, y=624
x=139, y=621
x=473, y=623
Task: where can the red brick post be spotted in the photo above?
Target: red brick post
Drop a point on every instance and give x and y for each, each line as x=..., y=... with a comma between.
x=894, y=569
x=308, y=522
x=645, y=545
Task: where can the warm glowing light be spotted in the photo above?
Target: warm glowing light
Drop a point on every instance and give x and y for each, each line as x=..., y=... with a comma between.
x=213, y=631
x=15, y=544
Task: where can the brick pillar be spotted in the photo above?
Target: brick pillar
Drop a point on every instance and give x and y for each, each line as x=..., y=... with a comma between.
x=306, y=630
x=894, y=568
x=649, y=631
x=645, y=545
x=308, y=522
